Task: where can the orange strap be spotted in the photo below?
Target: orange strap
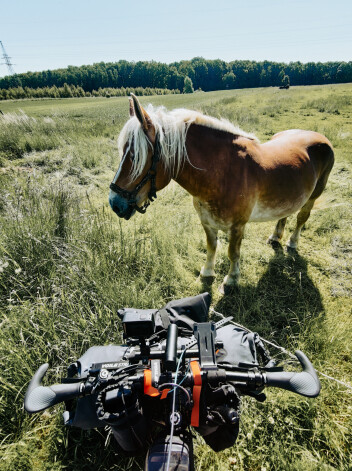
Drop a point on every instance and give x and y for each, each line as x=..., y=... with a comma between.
x=196, y=392
x=149, y=390
x=164, y=393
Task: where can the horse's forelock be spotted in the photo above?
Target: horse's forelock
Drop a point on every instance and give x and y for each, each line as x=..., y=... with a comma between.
x=133, y=134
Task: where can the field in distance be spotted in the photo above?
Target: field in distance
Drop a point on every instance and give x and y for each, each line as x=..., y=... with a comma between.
x=67, y=263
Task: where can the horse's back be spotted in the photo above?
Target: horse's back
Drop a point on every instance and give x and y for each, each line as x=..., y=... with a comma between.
x=296, y=147
x=302, y=139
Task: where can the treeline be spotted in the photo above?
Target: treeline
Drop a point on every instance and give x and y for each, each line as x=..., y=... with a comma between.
x=70, y=91
x=204, y=74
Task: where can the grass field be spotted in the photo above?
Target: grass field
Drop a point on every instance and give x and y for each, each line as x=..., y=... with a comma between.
x=67, y=263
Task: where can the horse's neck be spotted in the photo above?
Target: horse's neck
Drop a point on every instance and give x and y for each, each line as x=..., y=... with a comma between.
x=208, y=150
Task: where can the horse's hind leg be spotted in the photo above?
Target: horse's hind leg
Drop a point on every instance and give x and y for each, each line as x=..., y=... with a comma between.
x=276, y=236
x=302, y=217
x=208, y=269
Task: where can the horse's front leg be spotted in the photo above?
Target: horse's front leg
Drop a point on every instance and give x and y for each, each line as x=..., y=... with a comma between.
x=236, y=236
x=208, y=269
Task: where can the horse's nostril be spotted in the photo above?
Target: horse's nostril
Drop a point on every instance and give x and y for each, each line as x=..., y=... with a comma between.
x=116, y=210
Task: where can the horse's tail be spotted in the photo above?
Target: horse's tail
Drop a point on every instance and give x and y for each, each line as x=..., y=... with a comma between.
x=323, y=155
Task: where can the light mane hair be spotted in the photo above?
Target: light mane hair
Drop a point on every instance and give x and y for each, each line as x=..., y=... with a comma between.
x=171, y=127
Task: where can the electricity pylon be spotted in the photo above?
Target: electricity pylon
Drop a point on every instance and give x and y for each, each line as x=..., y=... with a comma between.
x=7, y=60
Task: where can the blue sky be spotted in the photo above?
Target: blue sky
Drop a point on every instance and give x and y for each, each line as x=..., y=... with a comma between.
x=41, y=35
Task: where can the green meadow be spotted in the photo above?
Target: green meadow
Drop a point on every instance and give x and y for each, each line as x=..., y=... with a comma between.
x=67, y=263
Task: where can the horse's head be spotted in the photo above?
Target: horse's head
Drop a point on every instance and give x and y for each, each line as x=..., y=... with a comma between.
x=141, y=172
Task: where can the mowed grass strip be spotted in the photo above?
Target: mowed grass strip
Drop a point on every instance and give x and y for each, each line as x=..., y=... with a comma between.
x=67, y=263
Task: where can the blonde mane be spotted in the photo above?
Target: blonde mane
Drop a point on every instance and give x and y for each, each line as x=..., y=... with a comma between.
x=172, y=127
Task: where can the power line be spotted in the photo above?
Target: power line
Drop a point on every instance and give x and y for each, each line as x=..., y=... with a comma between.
x=7, y=60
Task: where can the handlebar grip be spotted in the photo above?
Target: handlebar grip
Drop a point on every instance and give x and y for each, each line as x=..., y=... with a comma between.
x=40, y=397
x=305, y=383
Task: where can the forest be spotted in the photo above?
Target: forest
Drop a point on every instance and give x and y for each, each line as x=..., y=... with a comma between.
x=183, y=76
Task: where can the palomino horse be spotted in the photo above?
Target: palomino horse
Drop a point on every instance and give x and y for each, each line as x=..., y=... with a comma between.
x=232, y=177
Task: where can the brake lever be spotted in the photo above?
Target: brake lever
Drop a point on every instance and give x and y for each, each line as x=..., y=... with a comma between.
x=40, y=397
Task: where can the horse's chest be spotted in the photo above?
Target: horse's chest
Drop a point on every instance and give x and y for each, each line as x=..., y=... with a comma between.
x=209, y=217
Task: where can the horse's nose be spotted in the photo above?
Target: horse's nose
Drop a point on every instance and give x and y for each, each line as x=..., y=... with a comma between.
x=118, y=204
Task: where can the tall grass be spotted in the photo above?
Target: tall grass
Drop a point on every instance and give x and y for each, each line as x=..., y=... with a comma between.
x=21, y=134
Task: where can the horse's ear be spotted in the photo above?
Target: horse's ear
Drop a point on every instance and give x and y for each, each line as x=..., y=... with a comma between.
x=131, y=107
x=141, y=114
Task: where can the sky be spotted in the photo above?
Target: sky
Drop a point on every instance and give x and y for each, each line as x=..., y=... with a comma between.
x=46, y=34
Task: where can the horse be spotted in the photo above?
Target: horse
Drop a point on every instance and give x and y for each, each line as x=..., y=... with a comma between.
x=233, y=178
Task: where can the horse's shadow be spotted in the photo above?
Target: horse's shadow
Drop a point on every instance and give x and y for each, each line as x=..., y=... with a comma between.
x=283, y=303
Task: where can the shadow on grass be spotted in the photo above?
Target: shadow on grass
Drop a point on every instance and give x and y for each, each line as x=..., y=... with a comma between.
x=283, y=301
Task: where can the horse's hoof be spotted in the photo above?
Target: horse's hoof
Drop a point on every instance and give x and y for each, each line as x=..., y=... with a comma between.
x=273, y=240
x=275, y=244
x=228, y=285
x=207, y=273
x=291, y=245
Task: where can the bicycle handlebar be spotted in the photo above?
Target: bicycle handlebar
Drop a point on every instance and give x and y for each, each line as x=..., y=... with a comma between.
x=40, y=397
x=306, y=383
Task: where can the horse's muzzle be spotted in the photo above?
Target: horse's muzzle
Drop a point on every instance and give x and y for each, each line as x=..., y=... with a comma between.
x=120, y=206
